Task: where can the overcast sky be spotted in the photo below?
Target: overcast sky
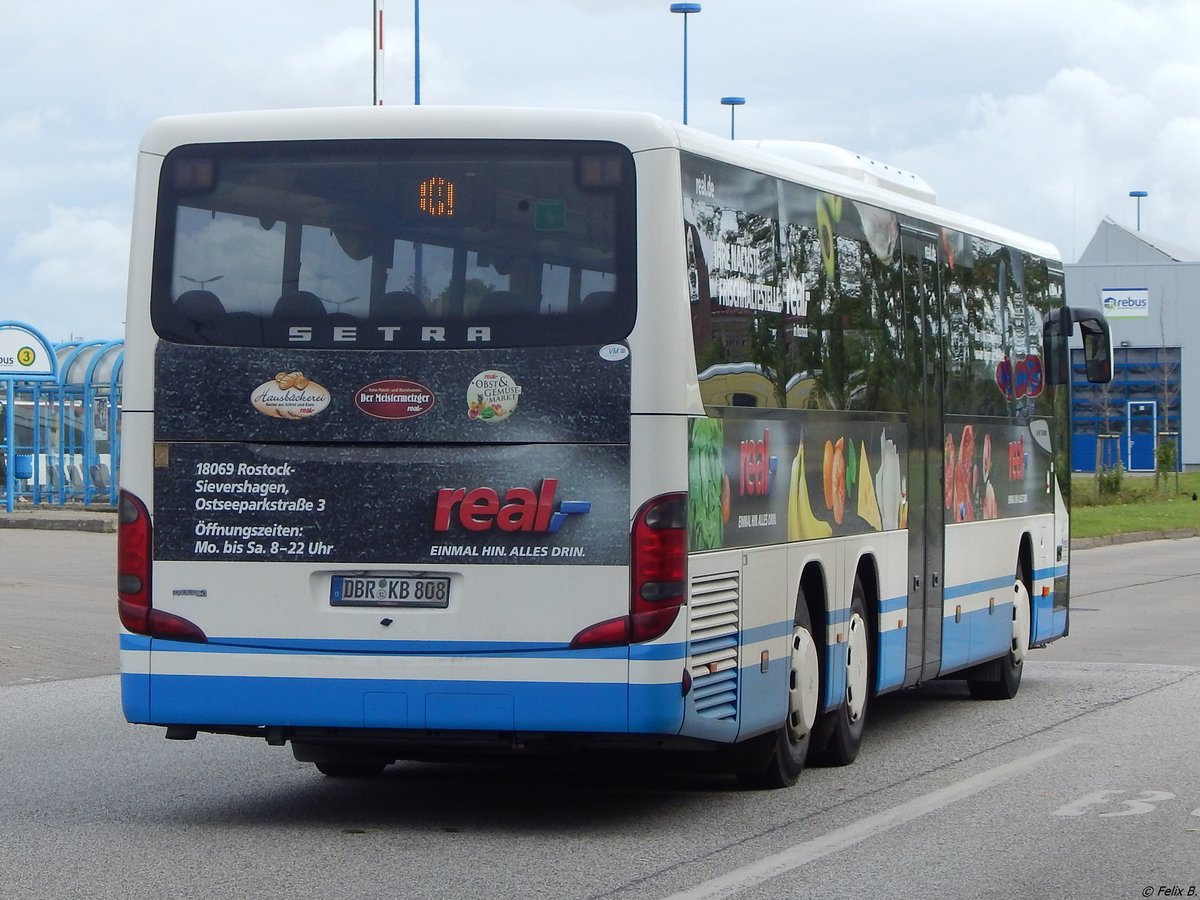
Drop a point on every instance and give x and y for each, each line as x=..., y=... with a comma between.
x=1039, y=114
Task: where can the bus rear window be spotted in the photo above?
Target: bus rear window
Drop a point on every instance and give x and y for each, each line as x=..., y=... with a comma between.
x=395, y=244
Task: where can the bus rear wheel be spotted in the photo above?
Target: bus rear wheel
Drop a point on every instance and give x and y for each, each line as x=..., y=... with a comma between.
x=351, y=769
x=786, y=749
x=840, y=731
x=340, y=762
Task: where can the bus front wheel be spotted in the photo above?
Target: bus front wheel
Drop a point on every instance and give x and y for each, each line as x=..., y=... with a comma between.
x=1001, y=678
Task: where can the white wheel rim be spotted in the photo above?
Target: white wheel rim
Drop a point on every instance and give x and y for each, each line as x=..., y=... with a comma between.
x=804, y=685
x=856, y=667
x=1020, y=638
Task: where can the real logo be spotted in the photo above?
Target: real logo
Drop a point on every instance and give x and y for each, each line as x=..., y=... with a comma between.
x=522, y=509
x=756, y=466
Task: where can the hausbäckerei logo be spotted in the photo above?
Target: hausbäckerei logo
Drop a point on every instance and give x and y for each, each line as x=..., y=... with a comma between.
x=289, y=395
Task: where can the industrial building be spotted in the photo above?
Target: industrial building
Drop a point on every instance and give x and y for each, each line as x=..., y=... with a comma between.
x=1148, y=289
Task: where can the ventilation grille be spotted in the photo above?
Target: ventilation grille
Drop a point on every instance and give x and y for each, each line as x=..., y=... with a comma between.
x=715, y=608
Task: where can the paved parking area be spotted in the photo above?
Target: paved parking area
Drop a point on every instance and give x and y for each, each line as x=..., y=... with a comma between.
x=58, y=606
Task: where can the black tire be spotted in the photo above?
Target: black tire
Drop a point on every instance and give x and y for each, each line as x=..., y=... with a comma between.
x=341, y=762
x=351, y=769
x=839, y=732
x=1001, y=678
x=776, y=760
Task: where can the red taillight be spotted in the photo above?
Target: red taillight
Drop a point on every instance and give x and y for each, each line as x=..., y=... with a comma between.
x=658, y=576
x=658, y=567
x=134, y=606
x=133, y=564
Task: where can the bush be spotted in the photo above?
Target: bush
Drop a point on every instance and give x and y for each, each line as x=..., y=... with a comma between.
x=1108, y=480
x=1166, y=454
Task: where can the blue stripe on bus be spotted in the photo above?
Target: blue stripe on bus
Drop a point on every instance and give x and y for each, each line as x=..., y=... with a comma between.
x=893, y=604
x=134, y=641
x=769, y=632
x=978, y=635
x=839, y=616
x=893, y=656
x=230, y=644
x=135, y=696
x=1048, y=622
x=978, y=587
x=382, y=703
x=478, y=649
x=1050, y=572
x=990, y=584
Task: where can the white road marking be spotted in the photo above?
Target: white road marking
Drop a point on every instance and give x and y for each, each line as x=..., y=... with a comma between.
x=839, y=839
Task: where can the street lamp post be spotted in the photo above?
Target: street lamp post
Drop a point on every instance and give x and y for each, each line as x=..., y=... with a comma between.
x=1138, y=195
x=733, y=103
x=203, y=282
x=377, y=54
x=416, y=52
x=685, y=9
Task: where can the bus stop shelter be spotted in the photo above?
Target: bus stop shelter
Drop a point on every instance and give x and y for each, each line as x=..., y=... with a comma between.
x=61, y=418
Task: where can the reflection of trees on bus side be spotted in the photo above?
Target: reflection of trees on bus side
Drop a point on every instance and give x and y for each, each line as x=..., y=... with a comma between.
x=803, y=305
x=854, y=344
x=882, y=341
x=821, y=310
x=770, y=344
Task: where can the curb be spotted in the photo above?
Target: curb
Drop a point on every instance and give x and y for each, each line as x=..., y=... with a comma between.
x=1132, y=537
x=101, y=520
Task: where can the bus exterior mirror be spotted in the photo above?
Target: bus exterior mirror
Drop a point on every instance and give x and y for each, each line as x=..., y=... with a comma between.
x=1097, y=356
x=1057, y=326
x=1097, y=344
x=1055, y=353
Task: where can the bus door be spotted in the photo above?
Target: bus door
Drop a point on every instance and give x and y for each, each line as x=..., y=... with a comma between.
x=926, y=479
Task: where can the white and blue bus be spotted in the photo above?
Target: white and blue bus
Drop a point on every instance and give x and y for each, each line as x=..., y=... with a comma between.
x=451, y=431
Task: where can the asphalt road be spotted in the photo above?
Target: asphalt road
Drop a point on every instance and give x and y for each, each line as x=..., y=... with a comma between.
x=1086, y=785
x=1137, y=603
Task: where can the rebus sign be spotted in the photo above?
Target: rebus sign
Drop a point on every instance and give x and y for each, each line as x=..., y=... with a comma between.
x=1126, y=303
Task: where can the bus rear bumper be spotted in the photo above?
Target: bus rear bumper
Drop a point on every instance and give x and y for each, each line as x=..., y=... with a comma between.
x=528, y=694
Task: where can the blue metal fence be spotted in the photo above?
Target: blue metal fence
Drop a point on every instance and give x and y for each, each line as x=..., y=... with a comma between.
x=62, y=440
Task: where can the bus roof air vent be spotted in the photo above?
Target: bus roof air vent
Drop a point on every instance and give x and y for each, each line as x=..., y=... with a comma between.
x=851, y=165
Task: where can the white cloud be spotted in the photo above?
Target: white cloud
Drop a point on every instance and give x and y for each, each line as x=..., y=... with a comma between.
x=79, y=250
x=1054, y=156
x=76, y=269
x=24, y=124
